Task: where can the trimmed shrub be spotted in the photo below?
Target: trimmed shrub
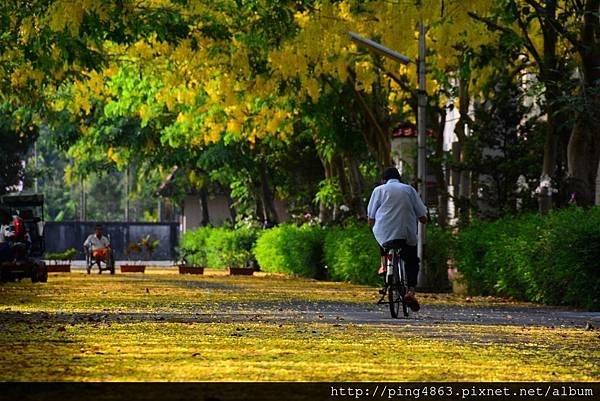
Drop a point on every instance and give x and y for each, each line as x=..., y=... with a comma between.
x=230, y=248
x=437, y=253
x=495, y=258
x=551, y=259
x=192, y=247
x=352, y=254
x=566, y=267
x=470, y=249
x=292, y=250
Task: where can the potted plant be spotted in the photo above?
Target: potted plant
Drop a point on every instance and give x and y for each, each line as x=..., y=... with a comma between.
x=149, y=246
x=132, y=249
x=192, y=263
x=239, y=262
x=60, y=262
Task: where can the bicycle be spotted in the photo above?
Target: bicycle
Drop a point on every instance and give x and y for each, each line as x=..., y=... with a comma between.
x=395, y=284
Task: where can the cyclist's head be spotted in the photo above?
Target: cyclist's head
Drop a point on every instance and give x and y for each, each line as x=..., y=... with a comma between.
x=390, y=173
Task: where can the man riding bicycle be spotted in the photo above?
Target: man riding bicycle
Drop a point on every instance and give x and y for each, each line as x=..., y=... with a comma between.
x=393, y=211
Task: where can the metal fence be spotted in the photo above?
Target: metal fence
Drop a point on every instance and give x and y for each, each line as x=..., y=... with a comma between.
x=63, y=235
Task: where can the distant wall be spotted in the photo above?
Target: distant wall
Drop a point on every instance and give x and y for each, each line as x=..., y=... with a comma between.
x=60, y=236
x=218, y=211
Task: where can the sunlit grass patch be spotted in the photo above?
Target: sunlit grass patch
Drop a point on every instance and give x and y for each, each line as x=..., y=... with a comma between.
x=292, y=352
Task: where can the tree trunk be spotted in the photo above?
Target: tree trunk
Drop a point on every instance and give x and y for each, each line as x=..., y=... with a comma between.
x=464, y=182
x=473, y=196
x=204, y=203
x=324, y=212
x=357, y=186
x=597, y=201
x=583, y=163
x=438, y=165
x=339, y=171
x=268, y=198
x=550, y=76
x=583, y=152
x=232, y=211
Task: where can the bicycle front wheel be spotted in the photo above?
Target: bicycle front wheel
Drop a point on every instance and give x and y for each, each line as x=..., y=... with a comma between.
x=402, y=288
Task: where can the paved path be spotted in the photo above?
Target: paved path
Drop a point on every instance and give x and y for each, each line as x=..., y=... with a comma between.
x=433, y=311
x=338, y=313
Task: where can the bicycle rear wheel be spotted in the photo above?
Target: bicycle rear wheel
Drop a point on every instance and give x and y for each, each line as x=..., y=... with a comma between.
x=394, y=290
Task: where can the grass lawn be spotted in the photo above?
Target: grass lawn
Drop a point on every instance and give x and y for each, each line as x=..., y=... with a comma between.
x=71, y=329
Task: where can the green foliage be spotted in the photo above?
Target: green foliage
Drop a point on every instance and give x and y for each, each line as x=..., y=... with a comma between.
x=329, y=193
x=230, y=248
x=17, y=134
x=68, y=254
x=551, y=259
x=470, y=249
x=237, y=258
x=352, y=254
x=506, y=144
x=291, y=249
x=192, y=248
x=218, y=247
x=567, y=268
x=437, y=253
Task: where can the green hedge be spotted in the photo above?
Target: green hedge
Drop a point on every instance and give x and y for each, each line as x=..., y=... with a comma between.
x=552, y=259
x=218, y=247
x=438, y=250
x=230, y=248
x=292, y=250
x=352, y=254
x=192, y=246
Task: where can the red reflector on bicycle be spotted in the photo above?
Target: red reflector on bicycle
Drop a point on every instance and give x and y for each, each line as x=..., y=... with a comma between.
x=390, y=256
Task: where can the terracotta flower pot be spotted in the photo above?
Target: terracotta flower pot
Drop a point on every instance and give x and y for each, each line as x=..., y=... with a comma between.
x=241, y=271
x=59, y=268
x=133, y=268
x=191, y=269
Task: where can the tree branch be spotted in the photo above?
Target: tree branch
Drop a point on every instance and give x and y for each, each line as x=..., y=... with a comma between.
x=365, y=106
x=561, y=30
x=490, y=23
x=529, y=44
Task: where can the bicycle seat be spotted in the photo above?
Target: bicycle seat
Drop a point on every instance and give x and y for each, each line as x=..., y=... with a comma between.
x=394, y=244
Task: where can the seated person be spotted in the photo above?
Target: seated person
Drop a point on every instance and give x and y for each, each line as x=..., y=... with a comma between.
x=98, y=245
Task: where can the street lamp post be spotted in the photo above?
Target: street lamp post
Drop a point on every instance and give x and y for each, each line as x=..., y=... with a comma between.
x=421, y=121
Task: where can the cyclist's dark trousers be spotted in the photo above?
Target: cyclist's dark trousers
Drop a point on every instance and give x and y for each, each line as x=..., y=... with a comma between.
x=408, y=254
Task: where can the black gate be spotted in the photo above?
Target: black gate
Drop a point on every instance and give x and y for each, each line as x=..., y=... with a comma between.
x=63, y=235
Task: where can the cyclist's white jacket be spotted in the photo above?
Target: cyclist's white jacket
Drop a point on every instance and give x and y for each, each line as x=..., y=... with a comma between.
x=395, y=207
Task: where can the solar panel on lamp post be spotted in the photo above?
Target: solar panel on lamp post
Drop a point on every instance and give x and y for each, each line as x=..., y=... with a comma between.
x=422, y=105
